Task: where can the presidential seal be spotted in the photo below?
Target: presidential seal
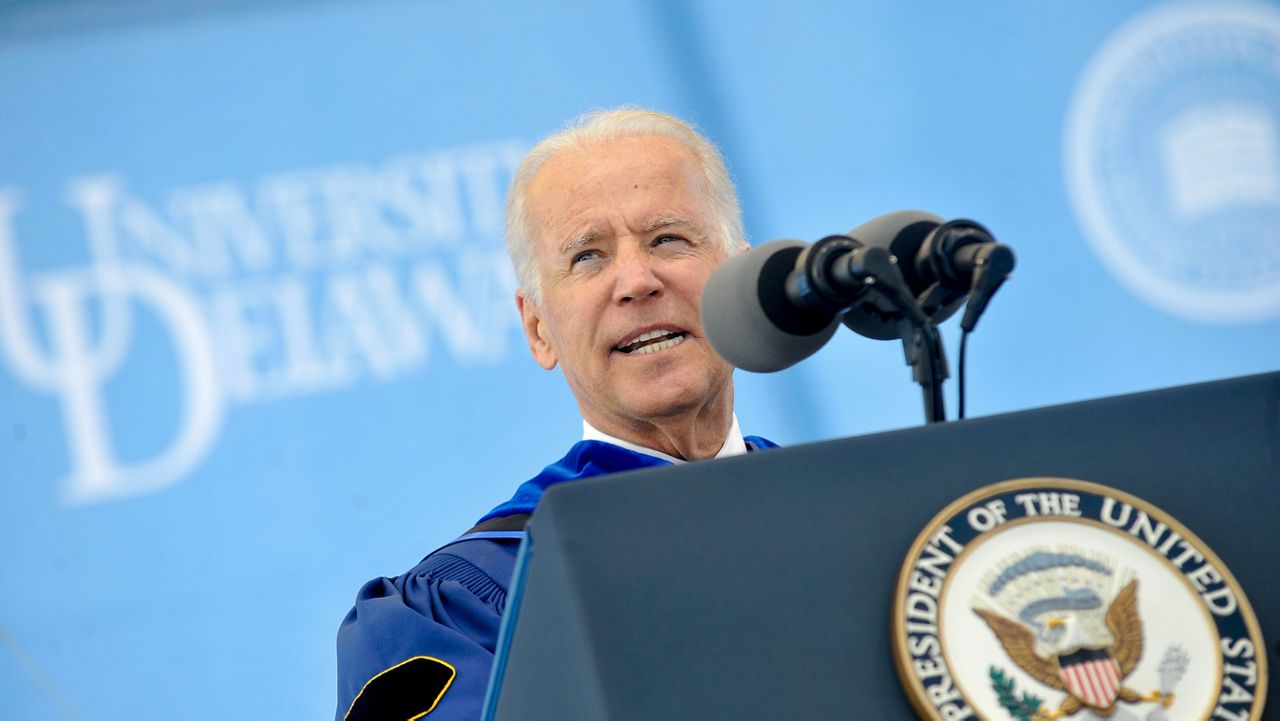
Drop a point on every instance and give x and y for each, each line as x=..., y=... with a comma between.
x=1172, y=158
x=1047, y=598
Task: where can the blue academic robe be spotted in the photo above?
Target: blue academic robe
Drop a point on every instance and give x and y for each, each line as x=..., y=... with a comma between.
x=423, y=643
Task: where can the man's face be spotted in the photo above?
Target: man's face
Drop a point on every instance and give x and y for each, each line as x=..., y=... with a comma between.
x=624, y=239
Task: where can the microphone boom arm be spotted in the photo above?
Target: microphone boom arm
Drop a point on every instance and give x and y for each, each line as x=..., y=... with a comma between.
x=839, y=273
x=921, y=344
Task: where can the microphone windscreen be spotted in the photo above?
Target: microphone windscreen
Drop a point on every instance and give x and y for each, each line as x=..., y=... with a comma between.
x=902, y=233
x=748, y=317
x=885, y=230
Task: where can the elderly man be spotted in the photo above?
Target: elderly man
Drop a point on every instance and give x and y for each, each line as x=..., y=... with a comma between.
x=614, y=226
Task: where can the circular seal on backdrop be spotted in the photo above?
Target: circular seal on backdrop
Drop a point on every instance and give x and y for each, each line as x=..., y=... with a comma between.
x=1172, y=158
x=1046, y=598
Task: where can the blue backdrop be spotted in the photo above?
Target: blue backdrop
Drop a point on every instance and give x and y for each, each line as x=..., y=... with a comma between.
x=257, y=337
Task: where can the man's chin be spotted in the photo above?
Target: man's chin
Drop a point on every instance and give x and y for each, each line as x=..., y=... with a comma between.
x=657, y=410
x=670, y=398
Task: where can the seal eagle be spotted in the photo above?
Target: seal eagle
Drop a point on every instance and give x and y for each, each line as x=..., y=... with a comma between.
x=1090, y=670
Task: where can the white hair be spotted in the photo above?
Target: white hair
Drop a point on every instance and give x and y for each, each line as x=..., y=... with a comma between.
x=599, y=126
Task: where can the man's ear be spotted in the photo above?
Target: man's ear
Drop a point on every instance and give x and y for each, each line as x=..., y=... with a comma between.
x=535, y=331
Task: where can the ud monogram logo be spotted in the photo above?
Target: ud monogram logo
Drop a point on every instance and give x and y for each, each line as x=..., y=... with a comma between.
x=1043, y=599
x=80, y=359
x=295, y=283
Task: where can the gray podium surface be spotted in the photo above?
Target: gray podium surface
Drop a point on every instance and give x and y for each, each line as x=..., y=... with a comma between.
x=759, y=587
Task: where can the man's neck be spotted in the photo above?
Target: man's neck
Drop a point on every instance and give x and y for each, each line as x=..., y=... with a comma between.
x=689, y=438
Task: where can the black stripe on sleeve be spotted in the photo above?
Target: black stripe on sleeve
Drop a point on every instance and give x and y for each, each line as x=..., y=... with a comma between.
x=515, y=522
x=405, y=692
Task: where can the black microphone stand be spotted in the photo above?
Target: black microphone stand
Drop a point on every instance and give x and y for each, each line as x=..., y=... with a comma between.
x=928, y=367
x=839, y=272
x=865, y=283
x=922, y=345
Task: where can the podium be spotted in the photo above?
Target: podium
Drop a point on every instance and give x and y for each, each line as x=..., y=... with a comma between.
x=760, y=587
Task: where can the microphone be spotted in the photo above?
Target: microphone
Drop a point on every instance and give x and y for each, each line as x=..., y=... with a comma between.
x=942, y=262
x=776, y=305
x=749, y=317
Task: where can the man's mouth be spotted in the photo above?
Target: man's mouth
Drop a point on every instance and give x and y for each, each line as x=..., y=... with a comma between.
x=652, y=341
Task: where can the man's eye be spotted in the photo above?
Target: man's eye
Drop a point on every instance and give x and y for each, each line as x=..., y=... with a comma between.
x=584, y=255
x=663, y=239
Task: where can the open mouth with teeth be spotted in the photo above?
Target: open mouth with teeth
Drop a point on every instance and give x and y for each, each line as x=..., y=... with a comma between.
x=652, y=342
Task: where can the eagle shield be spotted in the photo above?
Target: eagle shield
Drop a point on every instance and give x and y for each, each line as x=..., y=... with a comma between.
x=1091, y=675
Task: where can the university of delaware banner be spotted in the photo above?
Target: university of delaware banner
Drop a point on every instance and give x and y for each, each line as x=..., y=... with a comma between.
x=258, y=341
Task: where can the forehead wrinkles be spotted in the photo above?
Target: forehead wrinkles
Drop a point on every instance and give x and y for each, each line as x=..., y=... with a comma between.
x=584, y=194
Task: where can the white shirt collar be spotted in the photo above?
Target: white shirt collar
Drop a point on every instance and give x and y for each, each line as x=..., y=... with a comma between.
x=734, y=445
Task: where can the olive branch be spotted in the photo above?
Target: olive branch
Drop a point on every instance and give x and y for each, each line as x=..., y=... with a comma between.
x=1026, y=708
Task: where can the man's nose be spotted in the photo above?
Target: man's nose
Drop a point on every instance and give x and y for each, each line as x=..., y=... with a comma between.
x=635, y=277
